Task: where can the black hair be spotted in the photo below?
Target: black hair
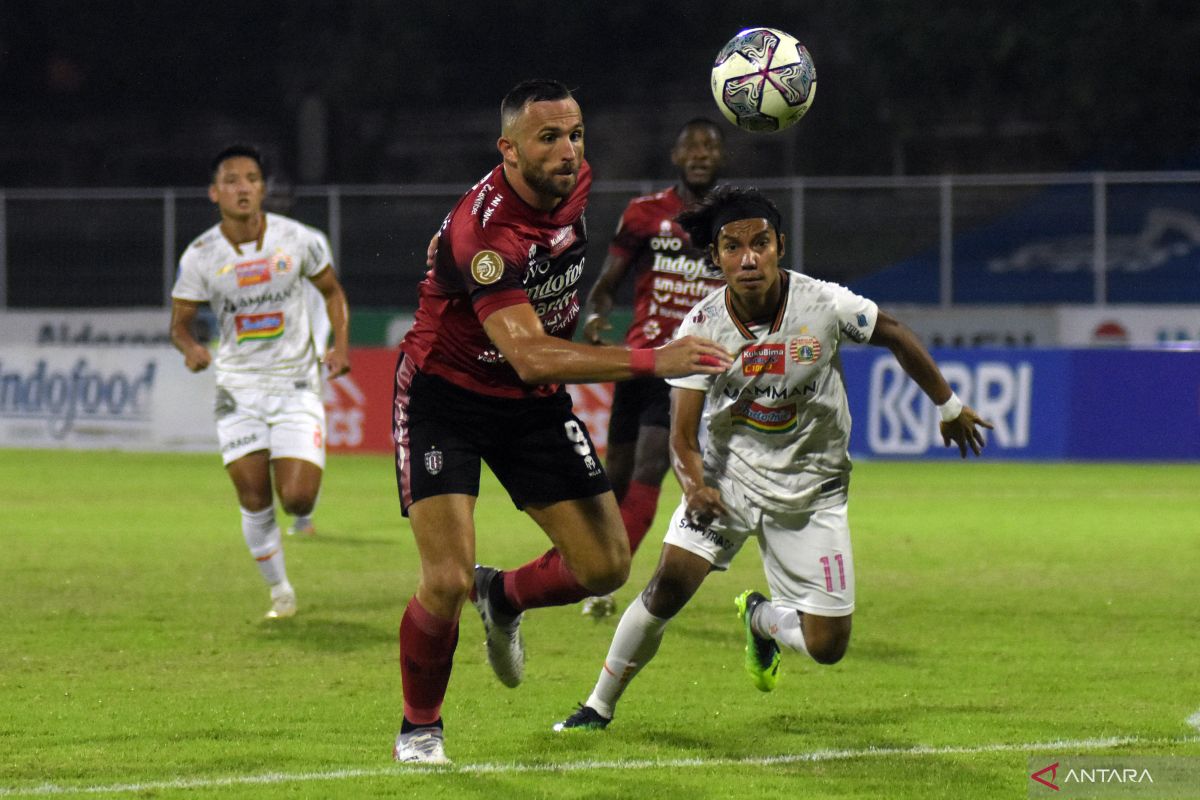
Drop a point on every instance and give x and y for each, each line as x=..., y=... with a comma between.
x=236, y=151
x=531, y=91
x=701, y=122
x=725, y=204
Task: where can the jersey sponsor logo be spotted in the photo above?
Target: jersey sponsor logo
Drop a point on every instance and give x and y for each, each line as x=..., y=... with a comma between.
x=652, y=330
x=486, y=267
x=241, y=441
x=687, y=268
x=764, y=358
x=252, y=273
x=764, y=419
x=666, y=242
x=805, y=349
x=562, y=239
x=258, y=327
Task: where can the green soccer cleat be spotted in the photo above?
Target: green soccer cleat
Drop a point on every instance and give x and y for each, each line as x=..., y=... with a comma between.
x=585, y=718
x=762, y=654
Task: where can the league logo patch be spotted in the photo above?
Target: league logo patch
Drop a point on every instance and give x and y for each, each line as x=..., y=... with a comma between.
x=252, y=273
x=763, y=358
x=486, y=267
x=805, y=349
x=258, y=327
x=434, y=462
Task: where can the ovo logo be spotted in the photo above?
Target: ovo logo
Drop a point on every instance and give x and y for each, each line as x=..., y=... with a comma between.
x=1053, y=770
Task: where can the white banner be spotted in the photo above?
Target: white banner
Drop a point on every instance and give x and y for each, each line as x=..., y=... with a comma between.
x=127, y=398
x=1140, y=326
x=96, y=326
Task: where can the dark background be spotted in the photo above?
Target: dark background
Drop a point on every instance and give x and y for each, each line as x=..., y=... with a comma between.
x=142, y=93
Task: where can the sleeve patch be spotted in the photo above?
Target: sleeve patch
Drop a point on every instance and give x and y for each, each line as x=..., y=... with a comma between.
x=486, y=267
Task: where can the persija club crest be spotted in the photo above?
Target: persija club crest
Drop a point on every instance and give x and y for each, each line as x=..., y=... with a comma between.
x=805, y=349
x=433, y=462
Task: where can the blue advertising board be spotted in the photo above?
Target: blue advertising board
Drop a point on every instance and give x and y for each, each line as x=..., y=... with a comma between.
x=1045, y=404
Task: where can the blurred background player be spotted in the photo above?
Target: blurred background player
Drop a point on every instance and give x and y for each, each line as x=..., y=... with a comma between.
x=775, y=466
x=480, y=378
x=251, y=269
x=670, y=276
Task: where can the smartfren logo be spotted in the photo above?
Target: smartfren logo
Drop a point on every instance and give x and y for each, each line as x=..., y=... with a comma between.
x=903, y=421
x=64, y=397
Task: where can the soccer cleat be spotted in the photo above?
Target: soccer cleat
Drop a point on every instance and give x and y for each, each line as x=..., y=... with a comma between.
x=585, y=718
x=421, y=746
x=283, y=602
x=762, y=654
x=598, y=607
x=302, y=526
x=505, y=646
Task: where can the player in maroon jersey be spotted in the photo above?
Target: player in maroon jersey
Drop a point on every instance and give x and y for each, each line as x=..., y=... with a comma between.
x=479, y=379
x=670, y=276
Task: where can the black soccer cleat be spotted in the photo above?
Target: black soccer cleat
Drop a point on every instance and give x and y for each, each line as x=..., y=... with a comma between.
x=585, y=718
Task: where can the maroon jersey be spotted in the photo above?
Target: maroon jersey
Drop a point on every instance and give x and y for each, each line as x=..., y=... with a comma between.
x=495, y=251
x=670, y=276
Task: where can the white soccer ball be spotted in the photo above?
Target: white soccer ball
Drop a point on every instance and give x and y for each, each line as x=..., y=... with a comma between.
x=764, y=80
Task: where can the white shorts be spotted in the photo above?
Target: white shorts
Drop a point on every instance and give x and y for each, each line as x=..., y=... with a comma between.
x=289, y=424
x=806, y=555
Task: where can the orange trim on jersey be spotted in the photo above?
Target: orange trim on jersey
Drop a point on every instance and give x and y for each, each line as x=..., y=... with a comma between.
x=776, y=324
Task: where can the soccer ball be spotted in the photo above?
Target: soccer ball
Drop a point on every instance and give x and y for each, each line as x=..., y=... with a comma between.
x=764, y=80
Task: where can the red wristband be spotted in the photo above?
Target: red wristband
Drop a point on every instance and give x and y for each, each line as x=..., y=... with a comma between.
x=641, y=362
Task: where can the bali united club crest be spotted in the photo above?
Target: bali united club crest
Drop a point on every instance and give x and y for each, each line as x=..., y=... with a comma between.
x=434, y=462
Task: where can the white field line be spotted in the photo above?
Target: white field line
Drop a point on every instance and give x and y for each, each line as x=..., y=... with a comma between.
x=270, y=778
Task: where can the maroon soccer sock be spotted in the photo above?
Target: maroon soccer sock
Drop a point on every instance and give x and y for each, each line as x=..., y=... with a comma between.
x=426, y=654
x=545, y=581
x=637, y=511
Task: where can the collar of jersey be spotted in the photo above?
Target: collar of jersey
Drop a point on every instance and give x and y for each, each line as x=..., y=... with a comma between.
x=743, y=326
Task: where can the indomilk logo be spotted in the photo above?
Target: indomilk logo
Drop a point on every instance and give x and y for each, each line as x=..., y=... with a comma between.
x=61, y=397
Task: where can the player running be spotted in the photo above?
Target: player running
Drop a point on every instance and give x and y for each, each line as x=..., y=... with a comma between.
x=670, y=276
x=251, y=269
x=775, y=466
x=480, y=378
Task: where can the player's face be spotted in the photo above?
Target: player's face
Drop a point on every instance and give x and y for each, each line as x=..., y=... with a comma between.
x=238, y=188
x=699, y=155
x=545, y=145
x=748, y=251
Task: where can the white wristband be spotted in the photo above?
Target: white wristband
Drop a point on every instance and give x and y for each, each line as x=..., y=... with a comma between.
x=951, y=408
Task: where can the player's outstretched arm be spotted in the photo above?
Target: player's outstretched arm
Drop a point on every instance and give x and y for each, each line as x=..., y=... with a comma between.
x=600, y=298
x=960, y=424
x=540, y=358
x=703, y=502
x=196, y=356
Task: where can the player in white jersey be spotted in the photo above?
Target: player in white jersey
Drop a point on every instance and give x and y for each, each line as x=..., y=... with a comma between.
x=775, y=466
x=251, y=269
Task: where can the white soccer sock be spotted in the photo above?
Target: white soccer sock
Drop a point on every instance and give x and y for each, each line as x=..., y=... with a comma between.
x=781, y=624
x=266, y=545
x=636, y=641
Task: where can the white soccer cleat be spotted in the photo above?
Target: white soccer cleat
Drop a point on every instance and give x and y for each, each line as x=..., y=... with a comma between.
x=420, y=746
x=303, y=526
x=283, y=602
x=505, y=646
x=598, y=607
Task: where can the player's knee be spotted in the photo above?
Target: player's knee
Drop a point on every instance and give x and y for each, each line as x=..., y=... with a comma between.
x=297, y=503
x=450, y=587
x=605, y=577
x=828, y=649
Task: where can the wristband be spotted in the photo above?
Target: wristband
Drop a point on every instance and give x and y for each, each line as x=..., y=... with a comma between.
x=641, y=362
x=951, y=408
x=590, y=318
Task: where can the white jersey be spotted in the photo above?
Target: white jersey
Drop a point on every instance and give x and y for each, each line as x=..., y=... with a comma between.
x=777, y=421
x=256, y=291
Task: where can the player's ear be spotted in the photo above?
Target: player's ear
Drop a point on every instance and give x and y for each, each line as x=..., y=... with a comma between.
x=779, y=238
x=212, y=192
x=508, y=150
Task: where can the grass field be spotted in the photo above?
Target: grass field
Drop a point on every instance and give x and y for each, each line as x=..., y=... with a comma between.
x=1005, y=613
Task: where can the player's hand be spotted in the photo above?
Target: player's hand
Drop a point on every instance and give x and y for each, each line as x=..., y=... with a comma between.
x=690, y=355
x=964, y=431
x=197, y=358
x=592, y=328
x=431, y=251
x=337, y=362
x=704, y=505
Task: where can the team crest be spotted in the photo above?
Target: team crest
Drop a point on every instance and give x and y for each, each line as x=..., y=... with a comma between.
x=282, y=262
x=805, y=349
x=664, y=228
x=434, y=462
x=486, y=267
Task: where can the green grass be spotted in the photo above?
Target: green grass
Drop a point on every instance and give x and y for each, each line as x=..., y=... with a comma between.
x=999, y=606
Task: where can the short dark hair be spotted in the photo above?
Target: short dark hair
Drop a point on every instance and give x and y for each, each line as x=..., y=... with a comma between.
x=236, y=151
x=725, y=204
x=531, y=91
x=701, y=122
